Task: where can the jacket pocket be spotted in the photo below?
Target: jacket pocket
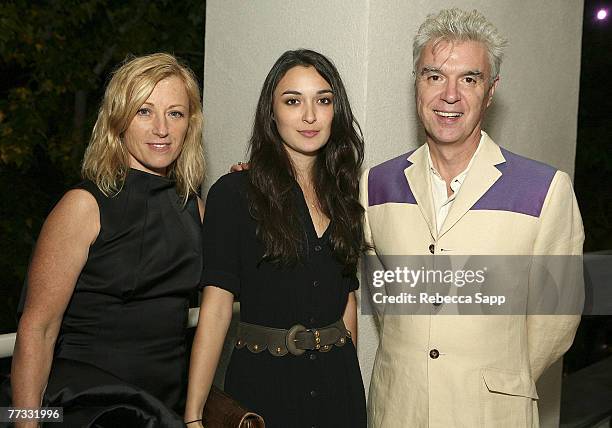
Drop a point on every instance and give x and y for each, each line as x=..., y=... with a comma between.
x=507, y=399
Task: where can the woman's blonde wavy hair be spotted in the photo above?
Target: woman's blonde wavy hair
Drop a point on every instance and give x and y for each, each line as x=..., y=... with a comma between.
x=106, y=160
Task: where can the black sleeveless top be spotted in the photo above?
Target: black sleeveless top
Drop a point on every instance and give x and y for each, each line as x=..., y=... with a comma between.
x=128, y=312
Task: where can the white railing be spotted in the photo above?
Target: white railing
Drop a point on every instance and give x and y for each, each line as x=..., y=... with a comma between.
x=7, y=341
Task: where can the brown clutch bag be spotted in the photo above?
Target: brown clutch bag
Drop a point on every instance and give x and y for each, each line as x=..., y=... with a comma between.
x=222, y=411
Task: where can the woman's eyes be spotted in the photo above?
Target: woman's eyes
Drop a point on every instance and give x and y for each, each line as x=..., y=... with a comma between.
x=145, y=111
x=295, y=101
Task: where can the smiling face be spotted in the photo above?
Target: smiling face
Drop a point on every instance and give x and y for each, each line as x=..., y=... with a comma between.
x=303, y=106
x=453, y=91
x=155, y=136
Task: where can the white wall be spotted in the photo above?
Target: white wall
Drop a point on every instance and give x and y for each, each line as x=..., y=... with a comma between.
x=244, y=39
x=534, y=112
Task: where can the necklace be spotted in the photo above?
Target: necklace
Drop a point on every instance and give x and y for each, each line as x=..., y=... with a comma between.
x=310, y=196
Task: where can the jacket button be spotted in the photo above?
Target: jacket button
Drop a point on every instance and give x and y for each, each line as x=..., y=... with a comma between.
x=432, y=248
x=318, y=248
x=313, y=356
x=313, y=393
x=434, y=354
x=315, y=284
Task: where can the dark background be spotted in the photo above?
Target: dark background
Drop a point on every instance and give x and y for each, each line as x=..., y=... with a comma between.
x=593, y=173
x=55, y=58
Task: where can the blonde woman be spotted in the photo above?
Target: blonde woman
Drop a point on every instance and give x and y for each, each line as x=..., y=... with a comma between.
x=103, y=328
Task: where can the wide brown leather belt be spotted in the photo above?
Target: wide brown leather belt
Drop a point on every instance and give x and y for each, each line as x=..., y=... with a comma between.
x=296, y=340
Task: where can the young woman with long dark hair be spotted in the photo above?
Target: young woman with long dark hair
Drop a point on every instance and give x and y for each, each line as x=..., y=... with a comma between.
x=283, y=238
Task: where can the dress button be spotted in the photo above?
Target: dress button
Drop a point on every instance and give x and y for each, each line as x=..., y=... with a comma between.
x=434, y=354
x=313, y=356
x=313, y=393
x=318, y=248
x=432, y=248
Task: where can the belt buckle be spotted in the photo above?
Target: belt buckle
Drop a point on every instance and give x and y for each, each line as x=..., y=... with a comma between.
x=290, y=339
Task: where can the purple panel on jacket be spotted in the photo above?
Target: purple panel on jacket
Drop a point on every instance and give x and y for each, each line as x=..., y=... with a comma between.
x=522, y=187
x=387, y=182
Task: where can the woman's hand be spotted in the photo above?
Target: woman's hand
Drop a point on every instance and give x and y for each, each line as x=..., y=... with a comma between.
x=240, y=166
x=350, y=316
x=195, y=424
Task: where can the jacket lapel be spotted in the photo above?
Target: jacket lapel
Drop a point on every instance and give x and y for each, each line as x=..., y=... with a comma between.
x=481, y=176
x=418, y=178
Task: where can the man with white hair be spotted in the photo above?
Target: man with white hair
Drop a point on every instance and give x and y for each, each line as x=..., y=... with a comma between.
x=460, y=193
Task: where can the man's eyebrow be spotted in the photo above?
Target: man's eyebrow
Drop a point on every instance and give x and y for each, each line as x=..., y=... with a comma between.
x=428, y=69
x=475, y=73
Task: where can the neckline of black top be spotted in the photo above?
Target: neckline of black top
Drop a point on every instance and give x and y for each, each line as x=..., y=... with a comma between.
x=152, y=181
x=307, y=217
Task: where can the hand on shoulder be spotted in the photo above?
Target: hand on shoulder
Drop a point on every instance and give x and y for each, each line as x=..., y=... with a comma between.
x=240, y=166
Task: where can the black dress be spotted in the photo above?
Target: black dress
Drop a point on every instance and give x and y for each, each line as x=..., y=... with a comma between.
x=315, y=389
x=120, y=357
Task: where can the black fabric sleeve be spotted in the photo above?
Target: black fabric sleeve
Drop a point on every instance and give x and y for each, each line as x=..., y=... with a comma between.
x=221, y=236
x=353, y=283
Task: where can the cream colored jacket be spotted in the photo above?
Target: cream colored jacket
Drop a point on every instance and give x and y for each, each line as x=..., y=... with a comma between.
x=487, y=366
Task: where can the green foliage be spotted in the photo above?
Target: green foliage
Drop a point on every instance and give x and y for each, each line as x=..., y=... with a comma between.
x=55, y=58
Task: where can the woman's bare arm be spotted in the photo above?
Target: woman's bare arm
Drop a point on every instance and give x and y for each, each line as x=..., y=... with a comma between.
x=59, y=256
x=215, y=317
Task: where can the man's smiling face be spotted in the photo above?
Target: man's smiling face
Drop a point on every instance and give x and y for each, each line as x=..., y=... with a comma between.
x=453, y=90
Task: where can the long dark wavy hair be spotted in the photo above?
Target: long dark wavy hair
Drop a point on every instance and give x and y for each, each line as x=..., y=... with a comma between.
x=335, y=175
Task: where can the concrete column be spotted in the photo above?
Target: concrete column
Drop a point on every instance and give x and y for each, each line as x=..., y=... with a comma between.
x=534, y=112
